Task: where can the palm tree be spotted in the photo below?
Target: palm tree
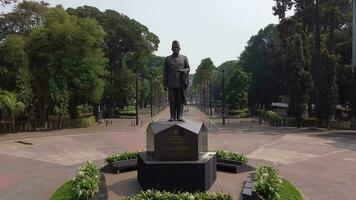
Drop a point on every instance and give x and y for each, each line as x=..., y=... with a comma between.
x=11, y=106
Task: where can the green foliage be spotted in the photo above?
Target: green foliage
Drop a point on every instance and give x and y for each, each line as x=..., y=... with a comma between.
x=66, y=54
x=326, y=25
x=241, y=113
x=5, y=2
x=86, y=182
x=128, y=47
x=260, y=59
x=126, y=111
x=82, y=122
x=55, y=60
x=228, y=155
x=121, y=156
x=84, y=109
x=25, y=16
x=65, y=192
x=237, y=88
x=9, y=104
x=203, y=79
x=288, y=191
x=16, y=76
x=326, y=89
x=267, y=182
x=273, y=117
x=157, y=195
x=299, y=79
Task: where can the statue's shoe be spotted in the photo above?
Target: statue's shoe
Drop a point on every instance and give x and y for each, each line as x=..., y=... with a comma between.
x=180, y=120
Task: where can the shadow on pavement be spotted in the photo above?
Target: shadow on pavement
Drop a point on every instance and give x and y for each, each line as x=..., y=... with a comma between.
x=340, y=139
x=126, y=187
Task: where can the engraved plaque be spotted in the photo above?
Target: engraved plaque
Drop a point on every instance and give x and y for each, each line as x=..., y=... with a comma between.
x=170, y=141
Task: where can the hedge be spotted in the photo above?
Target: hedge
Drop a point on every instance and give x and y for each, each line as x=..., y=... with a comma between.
x=156, y=195
x=82, y=122
x=121, y=156
x=228, y=155
x=126, y=111
x=273, y=117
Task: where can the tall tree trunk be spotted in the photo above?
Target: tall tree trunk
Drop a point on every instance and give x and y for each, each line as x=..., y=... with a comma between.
x=13, y=125
x=331, y=42
x=317, y=55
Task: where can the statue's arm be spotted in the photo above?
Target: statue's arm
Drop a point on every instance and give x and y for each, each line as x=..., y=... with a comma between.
x=186, y=65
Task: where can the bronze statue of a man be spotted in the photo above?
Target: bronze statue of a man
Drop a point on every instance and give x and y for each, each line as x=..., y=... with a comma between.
x=176, y=80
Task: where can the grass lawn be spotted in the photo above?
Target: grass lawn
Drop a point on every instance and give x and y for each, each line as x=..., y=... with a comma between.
x=288, y=191
x=64, y=192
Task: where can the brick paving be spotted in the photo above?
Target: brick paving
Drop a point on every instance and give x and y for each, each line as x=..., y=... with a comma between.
x=321, y=163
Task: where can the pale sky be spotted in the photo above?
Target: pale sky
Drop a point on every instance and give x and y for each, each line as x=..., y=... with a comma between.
x=218, y=29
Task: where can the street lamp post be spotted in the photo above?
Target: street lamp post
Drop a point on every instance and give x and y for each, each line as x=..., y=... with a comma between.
x=223, y=96
x=137, y=74
x=210, y=101
x=353, y=84
x=151, y=99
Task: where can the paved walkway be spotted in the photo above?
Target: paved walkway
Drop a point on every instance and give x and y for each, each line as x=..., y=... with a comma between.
x=321, y=163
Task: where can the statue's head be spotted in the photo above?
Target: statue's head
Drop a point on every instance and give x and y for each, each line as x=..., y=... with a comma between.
x=175, y=47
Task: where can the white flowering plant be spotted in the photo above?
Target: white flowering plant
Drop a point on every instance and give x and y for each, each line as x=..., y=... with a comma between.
x=86, y=182
x=267, y=182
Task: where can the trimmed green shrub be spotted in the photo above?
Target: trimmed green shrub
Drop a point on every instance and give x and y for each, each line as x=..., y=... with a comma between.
x=82, y=122
x=86, y=182
x=244, y=115
x=126, y=111
x=65, y=192
x=228, y=155
x=267, y=182
x=241, y=113
x=310, y=122
x=156, y=195
x=273, y=118
x=121, y=156
x=83, y=109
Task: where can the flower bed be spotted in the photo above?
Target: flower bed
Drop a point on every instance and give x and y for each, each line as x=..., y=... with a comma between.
x=233, y=156
x=267, y=184
x=123, y=161
x=88, y=184
x=156, y=195
x=232, y=161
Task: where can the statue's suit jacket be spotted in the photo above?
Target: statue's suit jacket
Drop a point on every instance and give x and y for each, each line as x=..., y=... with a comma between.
x=176, y=72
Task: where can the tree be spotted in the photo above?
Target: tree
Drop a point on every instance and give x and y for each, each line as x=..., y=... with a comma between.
x=260, y=59
x=325, y=104
x=11, y=106
x=299, y=79
x=66, y=55
x=5, y=2
x=16, y=76
x=128, y=45
x=24, y=17
x=204, y=77
x=228, y=67
x=237, y=88
x=329, y=21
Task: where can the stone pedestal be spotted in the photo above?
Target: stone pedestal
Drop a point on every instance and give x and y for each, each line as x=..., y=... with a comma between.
x=170, y=141
x=176, y=158
x=173, y=176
